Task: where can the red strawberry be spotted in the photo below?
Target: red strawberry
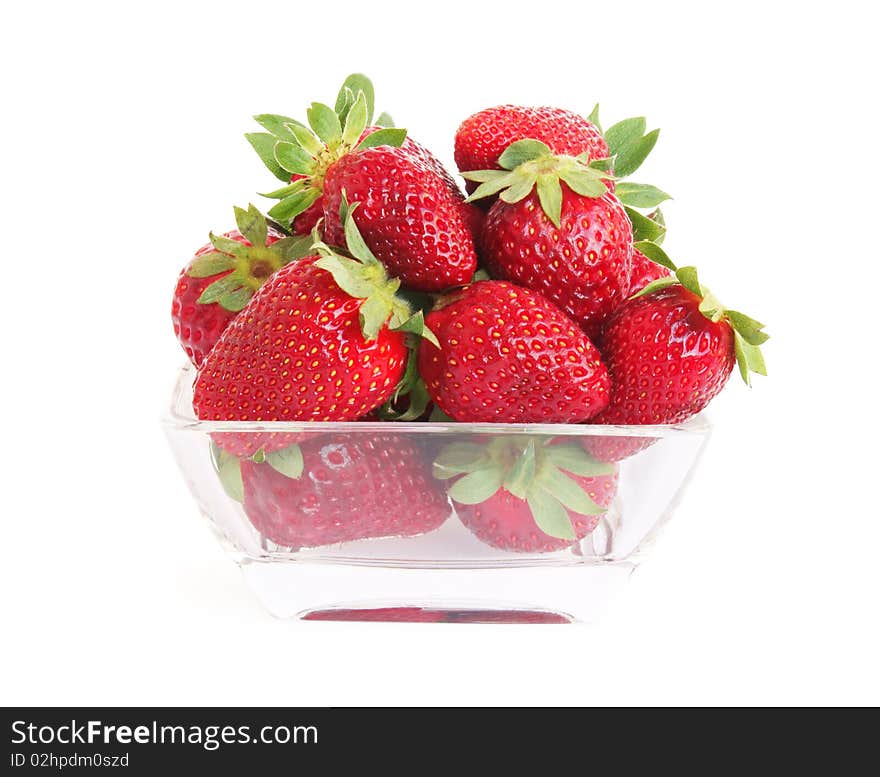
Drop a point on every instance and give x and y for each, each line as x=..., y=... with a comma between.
x=350, y=487
x=671, y=349
x=322, y=340
x=305, y=222
x=512, y=493
x=556, y=229
x=222, y=277
x=408, y=217
x=483, y=137
x=412, y=214
x=506, y=354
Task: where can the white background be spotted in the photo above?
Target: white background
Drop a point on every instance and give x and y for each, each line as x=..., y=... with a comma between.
x=122, y=147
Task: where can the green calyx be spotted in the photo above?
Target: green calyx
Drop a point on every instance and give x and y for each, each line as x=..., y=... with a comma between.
x=244, y=267
x=361, y=275
x=629, y=143
x=748, y=333
x=291, y=148
x=529, y=164
x=531, y=469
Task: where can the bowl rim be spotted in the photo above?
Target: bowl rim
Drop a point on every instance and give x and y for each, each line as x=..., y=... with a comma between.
x=174, y=418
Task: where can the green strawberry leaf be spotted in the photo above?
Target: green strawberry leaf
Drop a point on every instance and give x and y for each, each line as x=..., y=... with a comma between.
x=458, y=457
x=228, y=470
x=292, y=249
x=593, y=118
x=278, y=125
x=550, y=196
x=747, y=327
x=288, y=461
x=687, y=276
x=494, y=182
x=655, y=254
x=356, y=121
x=478, y=486
x=567, y=491
x=390, y=136
x=209, y=264
x=325, y=122
x=639, y=195
x=355, y=83
x=290, y=207
x=645, y=228
x=521, y=151
x=573, y=458
x=310, y=142
x=236, y=300
x=522, y=473
x=220, y=288
x=518, y=190
x=625, y=133
x=748, y=358
x=227, y=245
x=630, y=158
x=348, y=274
x=294, y=158
x=582, y=182
x=550, y=516
x=416, y=325
x=374, y=312
x=384, y=120
x=252, y=225
x=264, y=144
x=286, y=191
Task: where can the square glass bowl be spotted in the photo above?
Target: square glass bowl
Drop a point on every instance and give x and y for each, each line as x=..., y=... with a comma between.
x=352, y=521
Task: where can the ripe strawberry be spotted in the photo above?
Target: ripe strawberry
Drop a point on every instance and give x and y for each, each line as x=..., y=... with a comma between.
x=512, y=493
x=408, y=217
x=322, y=340
x=506, y=354
x=348, y=487
x=558, y=230
x=221, y=278
x=412, y=214
x=671, y=349
x=483, y=137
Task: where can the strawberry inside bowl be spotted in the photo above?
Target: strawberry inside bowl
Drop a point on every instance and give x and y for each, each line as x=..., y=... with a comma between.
x=456, y=522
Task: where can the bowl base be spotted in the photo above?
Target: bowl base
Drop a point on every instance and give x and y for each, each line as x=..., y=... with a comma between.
x=553, y=593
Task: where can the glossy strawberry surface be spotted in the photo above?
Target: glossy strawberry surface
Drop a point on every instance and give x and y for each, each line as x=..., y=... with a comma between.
x=352, y=487
x=509, y=355
x=582, y=266
x=666, y=359
x=482, y=137
x=297, y=354
x=407, y=214
x=505, y=521
x=198, y=326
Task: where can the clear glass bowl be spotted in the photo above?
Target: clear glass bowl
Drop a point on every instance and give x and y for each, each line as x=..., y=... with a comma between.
x=367, y=532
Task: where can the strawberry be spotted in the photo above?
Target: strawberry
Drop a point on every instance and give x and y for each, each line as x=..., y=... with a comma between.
x=342, y=487
x=558, y=230
x=408, y=217
x=222, y=277
x=506, y=354
x=323, y=340
x=513, y=494
x=412, y=214
x=483, y=137
x=671, y=349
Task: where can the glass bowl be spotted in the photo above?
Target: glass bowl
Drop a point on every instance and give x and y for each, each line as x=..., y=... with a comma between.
x=353, y=521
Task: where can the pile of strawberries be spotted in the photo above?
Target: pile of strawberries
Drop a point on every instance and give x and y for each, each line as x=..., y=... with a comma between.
x=376, y=290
